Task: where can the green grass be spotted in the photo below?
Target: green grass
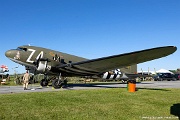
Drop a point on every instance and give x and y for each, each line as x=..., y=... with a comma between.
x=101, y=104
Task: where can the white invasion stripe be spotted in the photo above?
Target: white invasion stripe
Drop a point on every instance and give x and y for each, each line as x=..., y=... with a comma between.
x=105, y=75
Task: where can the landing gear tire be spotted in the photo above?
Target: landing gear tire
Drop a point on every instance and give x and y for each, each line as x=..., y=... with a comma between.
x=44, y=82
x=57, y=83
x=123, y=81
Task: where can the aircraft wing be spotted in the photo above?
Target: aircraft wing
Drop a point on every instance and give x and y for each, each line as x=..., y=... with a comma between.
x=104, y=64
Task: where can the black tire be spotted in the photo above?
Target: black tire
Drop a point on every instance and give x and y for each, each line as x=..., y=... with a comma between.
x=57, y=83
x=123, y=81
x=44, y=82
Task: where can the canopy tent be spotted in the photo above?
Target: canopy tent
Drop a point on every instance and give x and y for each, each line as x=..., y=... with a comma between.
x=147, y=72
x=164, y=71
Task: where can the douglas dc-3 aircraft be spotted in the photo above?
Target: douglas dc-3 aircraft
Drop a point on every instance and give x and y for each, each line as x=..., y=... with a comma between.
x=50, y=62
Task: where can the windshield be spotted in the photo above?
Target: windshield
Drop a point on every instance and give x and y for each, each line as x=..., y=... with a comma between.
x=22, y=49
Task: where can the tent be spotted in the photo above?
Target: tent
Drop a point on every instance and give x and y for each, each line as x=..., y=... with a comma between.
x=147, y=72
x=163, y=71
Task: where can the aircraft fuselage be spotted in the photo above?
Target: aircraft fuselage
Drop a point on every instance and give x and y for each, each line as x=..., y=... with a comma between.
x=41, y=60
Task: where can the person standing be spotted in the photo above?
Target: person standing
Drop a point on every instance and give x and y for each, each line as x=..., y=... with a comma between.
x=26, y=78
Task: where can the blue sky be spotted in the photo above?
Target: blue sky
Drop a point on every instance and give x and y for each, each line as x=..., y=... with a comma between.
x=92, y=28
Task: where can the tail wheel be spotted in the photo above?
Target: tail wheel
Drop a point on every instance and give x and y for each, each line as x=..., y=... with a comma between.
x=44, y=82
x=57, y=83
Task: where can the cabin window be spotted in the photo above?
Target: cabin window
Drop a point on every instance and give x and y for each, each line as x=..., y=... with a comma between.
x=56, y=58
x=62, y=61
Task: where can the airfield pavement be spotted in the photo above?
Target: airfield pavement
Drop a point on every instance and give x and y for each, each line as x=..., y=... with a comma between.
x=141, y=85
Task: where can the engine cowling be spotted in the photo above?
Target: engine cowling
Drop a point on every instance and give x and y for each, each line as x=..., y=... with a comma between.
x=43, y=66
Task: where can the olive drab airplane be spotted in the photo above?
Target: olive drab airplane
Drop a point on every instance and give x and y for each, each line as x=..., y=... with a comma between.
x=50, y=62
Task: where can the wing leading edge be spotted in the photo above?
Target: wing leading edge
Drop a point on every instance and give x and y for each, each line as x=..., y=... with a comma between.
x=103, y=64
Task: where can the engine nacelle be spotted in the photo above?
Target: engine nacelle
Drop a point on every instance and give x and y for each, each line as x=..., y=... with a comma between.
x=114, y=74
x=43, y=66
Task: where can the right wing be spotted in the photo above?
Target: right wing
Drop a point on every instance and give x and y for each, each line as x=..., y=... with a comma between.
x=100, y=65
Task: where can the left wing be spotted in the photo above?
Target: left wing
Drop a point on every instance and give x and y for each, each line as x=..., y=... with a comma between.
x=104, y=64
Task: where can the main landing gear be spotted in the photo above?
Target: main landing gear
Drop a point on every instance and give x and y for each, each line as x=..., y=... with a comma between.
x=58, y=83
x=44, y=82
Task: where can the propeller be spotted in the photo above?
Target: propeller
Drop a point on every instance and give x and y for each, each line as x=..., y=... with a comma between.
x=36, y=62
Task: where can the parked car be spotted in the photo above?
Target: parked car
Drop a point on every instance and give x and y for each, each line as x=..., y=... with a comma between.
x=164, y=76
x=177, y=76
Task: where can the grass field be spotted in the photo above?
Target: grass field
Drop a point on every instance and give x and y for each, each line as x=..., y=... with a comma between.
x=101, y=104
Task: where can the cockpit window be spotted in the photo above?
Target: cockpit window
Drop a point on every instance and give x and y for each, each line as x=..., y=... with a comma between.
x=22, y=49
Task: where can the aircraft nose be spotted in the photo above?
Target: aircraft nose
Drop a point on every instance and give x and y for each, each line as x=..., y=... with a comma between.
x=8, y=53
